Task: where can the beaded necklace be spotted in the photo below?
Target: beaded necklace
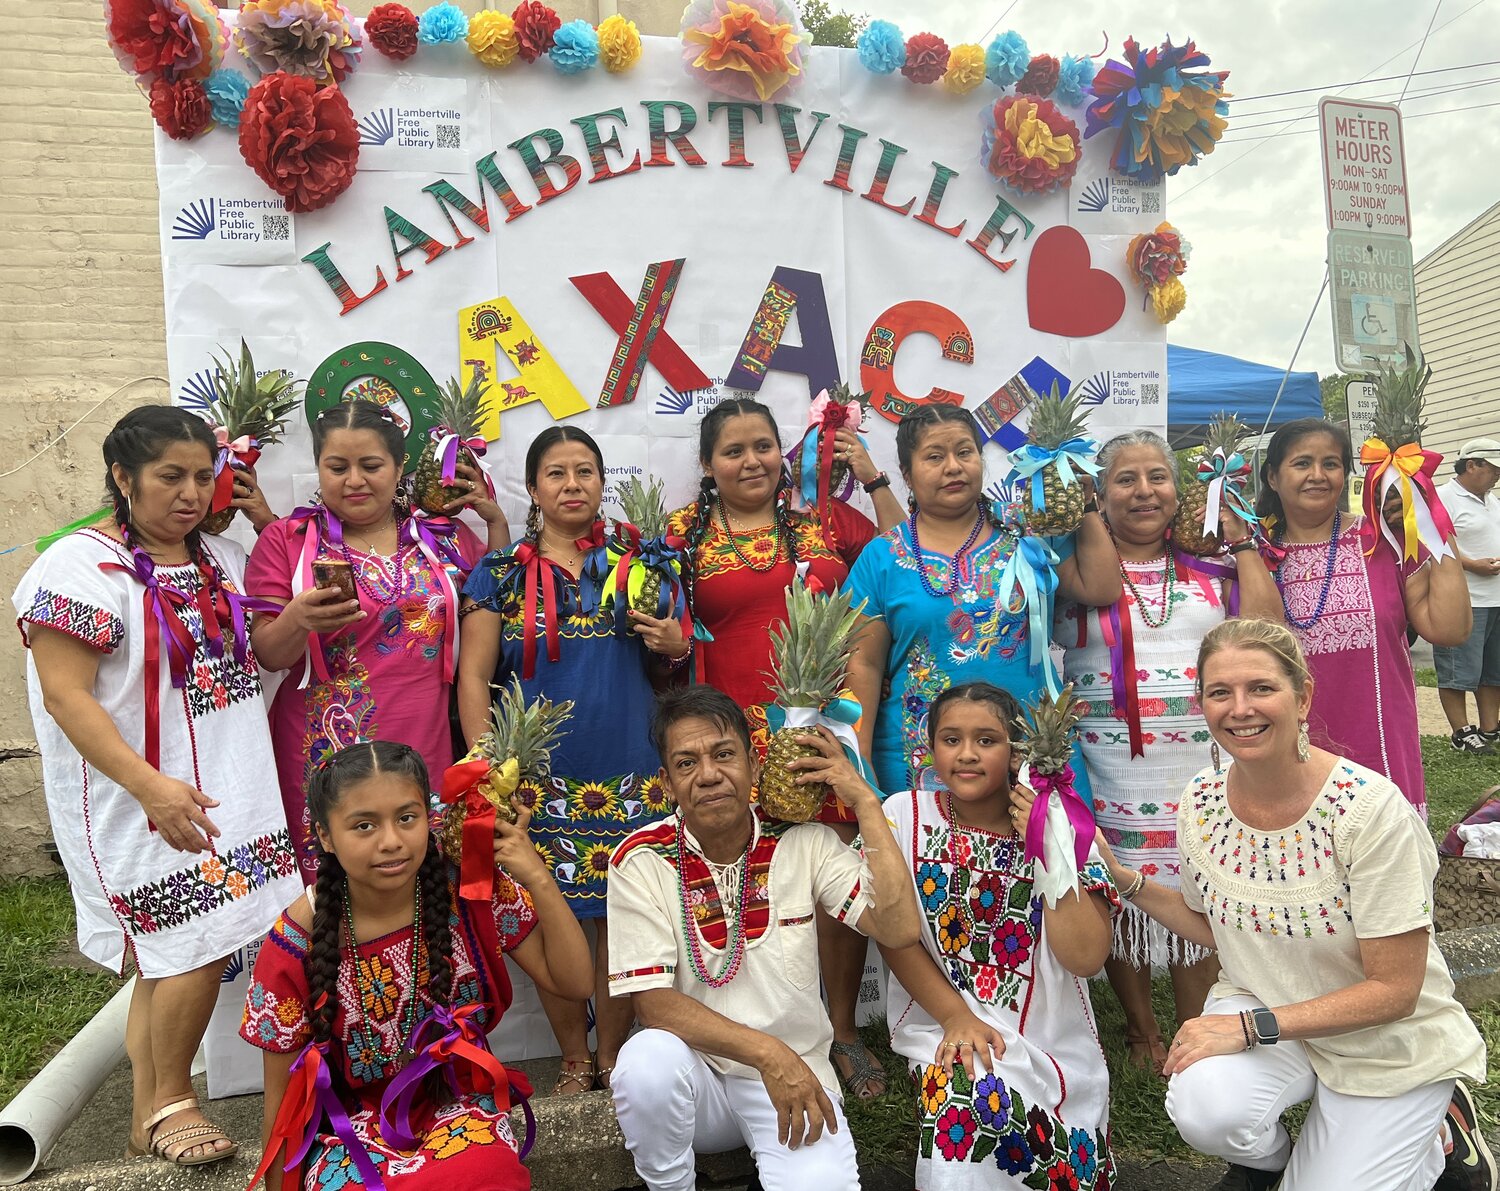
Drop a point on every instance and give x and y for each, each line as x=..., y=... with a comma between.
x=1333, y=550
x=961, y=904
x=951, y=585
x=392, y=588
x=1167, y=607
x=737, y=931
x=364, y=974
x=735, y=546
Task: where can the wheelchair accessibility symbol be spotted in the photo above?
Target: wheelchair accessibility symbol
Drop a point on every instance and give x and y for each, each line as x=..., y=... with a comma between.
x=1374, y=320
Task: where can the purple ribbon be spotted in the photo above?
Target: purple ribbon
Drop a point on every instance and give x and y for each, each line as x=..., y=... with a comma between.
x=435, y=536
x=239, y=605
x=1079, y=816
x=328, y=1102
x=448, y=443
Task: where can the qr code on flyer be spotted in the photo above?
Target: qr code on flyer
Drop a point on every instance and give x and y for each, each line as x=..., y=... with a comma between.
x=1151, y=202
x=1151, y=393
x=275, y=227
x=448, y=136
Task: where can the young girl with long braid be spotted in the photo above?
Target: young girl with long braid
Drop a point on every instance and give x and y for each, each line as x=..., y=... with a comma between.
x=374, y=992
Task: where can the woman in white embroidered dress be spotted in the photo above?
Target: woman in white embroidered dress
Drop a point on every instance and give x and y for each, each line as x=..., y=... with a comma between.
x=1142, y=733
x=147, y=704
x=1312, y=878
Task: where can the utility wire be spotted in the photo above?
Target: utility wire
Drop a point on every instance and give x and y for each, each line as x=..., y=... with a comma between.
x=1468, y=107
x=1389, y=78
x=1420, y=93
x=998, y=19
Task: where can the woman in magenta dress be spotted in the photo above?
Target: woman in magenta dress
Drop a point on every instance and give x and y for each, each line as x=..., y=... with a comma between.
x=380, y=666
x=1350, y=609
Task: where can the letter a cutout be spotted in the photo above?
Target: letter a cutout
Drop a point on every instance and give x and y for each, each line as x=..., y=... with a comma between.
x=497, y=325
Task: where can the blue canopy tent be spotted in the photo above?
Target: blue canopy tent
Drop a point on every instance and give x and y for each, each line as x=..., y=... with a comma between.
x=1200, y=384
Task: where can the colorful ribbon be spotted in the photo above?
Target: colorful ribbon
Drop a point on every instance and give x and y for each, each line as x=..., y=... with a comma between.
x=437, y=539
x=811, y=460
x=1424, y=520
x=459, y=1037
x=446, y=443
x=1057, y=813
x=630, y=559
x=839, y=715
x=462, y=782
x=1030, y=459
x=1032, y=567
x=243, y=451
x=1226, y=479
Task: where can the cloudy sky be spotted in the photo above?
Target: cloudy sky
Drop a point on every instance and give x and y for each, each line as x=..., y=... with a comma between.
x=1253, y=210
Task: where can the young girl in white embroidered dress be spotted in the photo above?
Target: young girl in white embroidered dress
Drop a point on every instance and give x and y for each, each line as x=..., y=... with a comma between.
x=991, y=1008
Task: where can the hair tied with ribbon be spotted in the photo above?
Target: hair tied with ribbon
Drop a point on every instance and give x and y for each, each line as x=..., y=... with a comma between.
x=1407, y=470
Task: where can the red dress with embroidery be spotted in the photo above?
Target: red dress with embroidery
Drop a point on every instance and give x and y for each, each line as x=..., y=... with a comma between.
x=739, y=604
x=467, y=1143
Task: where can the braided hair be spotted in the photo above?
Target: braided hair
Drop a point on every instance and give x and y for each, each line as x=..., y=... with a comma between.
x=325, y=791
x=913, y=428
x=362, y=414
x=139, y=439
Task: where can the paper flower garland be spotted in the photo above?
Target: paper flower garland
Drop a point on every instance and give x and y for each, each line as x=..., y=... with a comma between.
x=536, y=25
x=226, y=91
x=1030, y=145
x=1164, y=117
x=441, y=24
x=1040, y=77
x=575, y=48
x=315, y=39
x=965, y=68
x=392, y=29
x=1075, y=77
x=492, y=38
x=926, y=58
x=170, y=39
x=619, y=44
x=300, y=139
x=1157, y=260
x=1006, y=59
x=748, y=51
x=882, y=49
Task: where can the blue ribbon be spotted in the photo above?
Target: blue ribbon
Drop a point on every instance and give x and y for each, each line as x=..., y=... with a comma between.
x=1033, y=568
x=1030, y=459
x=844, y=712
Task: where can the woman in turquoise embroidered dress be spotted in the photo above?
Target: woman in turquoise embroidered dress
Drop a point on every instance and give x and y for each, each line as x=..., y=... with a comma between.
x=533, y=613
x=935, y=613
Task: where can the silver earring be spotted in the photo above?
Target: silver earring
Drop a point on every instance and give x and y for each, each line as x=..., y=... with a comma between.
x=1213, y=754
x=1303, y=752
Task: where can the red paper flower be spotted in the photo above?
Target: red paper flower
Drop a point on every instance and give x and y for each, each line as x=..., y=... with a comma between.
x=535, y=25
x=300, y=139
x=926, y=58
x=1040, y=77
x=181, y=108
x=1030, y=145
x=392, y=29
x=155, y=36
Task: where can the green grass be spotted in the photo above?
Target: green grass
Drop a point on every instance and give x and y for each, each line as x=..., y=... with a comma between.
x=1427, y=677
x=1454, y=782
x=42, y=1005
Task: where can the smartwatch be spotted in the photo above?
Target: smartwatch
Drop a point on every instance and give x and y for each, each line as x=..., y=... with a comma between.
x=1267, y=1031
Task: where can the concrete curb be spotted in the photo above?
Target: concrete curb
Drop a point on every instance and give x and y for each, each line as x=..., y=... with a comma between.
x=1473, y=957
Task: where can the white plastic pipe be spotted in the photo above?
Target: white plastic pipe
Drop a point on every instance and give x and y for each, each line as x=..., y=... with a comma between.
x=36, y=1118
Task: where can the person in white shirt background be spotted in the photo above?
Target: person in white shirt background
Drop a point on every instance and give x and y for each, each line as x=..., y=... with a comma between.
x=1474, y=666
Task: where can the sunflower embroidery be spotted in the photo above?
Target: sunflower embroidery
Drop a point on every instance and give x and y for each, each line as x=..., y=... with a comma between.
x=934, y=1089
x=457, y=1135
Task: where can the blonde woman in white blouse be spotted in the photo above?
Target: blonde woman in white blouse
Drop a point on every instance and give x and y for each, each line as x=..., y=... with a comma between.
x=1312, y=878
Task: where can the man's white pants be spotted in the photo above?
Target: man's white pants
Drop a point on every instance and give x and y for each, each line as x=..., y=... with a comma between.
x=672, y=1105
x=1230, y=1106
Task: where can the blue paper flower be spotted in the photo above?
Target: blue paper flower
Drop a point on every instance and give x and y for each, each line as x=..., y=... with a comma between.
x=1074, y=78
x=575, y=47
x=441, y=23
x=882, y=49
x=1007, y=59
x=226, y=91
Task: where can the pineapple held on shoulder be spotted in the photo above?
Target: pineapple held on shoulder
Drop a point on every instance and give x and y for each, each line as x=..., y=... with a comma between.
x=1053, y=497
x=645, y=562
x=461, y=413
x=245, y=406
x=1394, y=460
x=1212, y=484
x=810, y=653
x=1044, y=737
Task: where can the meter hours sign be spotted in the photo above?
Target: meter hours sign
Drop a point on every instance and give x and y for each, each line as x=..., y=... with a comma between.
x=1364, y=167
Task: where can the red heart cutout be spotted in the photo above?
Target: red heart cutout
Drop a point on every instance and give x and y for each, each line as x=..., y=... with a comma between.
x=1064, y=296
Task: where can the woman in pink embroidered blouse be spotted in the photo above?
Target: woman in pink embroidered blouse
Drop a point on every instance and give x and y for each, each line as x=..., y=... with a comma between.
x=1350, y=607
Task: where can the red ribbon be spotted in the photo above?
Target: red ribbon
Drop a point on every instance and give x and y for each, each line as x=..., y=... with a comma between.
x=244, y=452
x=477, y=853
x=539, y=585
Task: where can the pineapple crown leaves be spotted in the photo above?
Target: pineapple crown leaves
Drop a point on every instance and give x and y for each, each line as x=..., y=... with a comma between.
x=1224, y=433
x=526, y=731
x=1398, y=400
x=644, y=506
x=810, y=649
x=842, y=394
x=462, y=408
x=1047, y=730
x=251, y=405
x=1056, y=417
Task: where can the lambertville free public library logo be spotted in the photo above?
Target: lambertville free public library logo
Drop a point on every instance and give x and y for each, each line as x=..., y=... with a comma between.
x=238, y=223
x=246, y=220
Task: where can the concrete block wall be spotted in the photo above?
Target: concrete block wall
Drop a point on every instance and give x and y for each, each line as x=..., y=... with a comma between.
x=81, y=306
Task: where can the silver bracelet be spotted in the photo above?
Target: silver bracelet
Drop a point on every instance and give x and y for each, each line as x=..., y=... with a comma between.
x=1130, y=891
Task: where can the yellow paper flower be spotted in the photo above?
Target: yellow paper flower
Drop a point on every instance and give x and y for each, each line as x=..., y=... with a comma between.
x=492, y=38
x=1183, y=127
x=965, y=68
x=619, y=44
x=1168, y=299
x=745, y=41
x=1034, y=139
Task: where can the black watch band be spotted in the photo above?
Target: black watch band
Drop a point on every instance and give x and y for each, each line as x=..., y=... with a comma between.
x=879, y=482
x=1267, y=1029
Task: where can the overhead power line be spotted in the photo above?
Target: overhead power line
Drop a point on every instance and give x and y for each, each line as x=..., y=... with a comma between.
x=1359, y=82
x=1309, y=114
x=1468, y=107
x=1430, y=93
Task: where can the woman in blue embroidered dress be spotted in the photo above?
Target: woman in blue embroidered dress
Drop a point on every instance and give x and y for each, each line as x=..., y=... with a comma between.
x=938, y=609
x=387, y=975
x=146, y=698
x=533, y=612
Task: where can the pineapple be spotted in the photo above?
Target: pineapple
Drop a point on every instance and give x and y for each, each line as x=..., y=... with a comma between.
x=842, y=394
x=1046, y=733
x=526, y=731
x=462, y=411
x=1398, y=402
x=1046, y=741
x=248, y=405
x=1054, y=420
x=645, y=510
x=1192, y=493
x=810, y=655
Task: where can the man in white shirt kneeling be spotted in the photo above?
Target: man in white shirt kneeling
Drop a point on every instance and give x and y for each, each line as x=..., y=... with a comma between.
x=713, y=933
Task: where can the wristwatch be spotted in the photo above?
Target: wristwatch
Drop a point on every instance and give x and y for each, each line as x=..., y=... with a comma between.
x=1267, y=1031
x=879, y=482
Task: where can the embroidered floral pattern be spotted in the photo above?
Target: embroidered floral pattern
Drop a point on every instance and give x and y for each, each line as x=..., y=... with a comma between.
x=203, y=887
x=717, y=557
x=90, y=624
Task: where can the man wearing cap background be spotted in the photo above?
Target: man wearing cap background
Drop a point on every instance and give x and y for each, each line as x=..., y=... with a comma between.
x=1475, y=665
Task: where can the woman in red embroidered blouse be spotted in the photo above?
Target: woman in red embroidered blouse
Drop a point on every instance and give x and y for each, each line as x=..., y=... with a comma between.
x=746, y=543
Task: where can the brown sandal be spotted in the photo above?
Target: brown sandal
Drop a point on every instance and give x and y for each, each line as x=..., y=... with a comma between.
x=583, y=1076
x=1146, y=1052
x=183, y=1138
x=602, y=1078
